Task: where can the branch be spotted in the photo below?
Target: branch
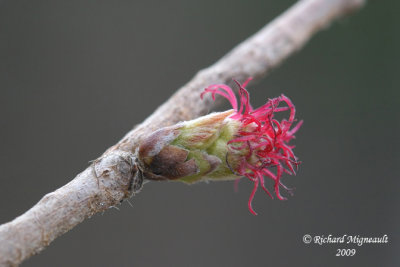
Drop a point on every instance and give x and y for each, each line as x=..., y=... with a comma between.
x=108, y=181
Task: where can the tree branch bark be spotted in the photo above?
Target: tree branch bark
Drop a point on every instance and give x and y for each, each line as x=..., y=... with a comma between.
x=108, y=180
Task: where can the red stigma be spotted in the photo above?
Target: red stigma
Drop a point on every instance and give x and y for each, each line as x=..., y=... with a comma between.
x=265, y=138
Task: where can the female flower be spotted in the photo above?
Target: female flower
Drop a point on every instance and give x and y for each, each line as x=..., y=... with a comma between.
x=226, y=145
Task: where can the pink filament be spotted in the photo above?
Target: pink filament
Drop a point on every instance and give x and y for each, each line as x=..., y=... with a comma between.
x=263, y=137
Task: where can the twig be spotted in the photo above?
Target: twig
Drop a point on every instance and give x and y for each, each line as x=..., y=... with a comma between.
x=107, y=181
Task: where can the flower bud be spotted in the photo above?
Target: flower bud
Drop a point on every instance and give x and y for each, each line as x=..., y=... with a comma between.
x=226, y=145
x=190, y=150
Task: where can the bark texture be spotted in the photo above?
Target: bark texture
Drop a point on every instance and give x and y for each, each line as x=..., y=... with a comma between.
x=109, y=179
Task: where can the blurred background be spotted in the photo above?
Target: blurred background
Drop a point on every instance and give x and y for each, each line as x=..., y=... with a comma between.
x=75, y=76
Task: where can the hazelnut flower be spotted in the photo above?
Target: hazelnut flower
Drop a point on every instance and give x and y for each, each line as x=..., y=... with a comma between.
x=225, y=145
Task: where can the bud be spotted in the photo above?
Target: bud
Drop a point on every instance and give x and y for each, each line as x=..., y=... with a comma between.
x=226, y=145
